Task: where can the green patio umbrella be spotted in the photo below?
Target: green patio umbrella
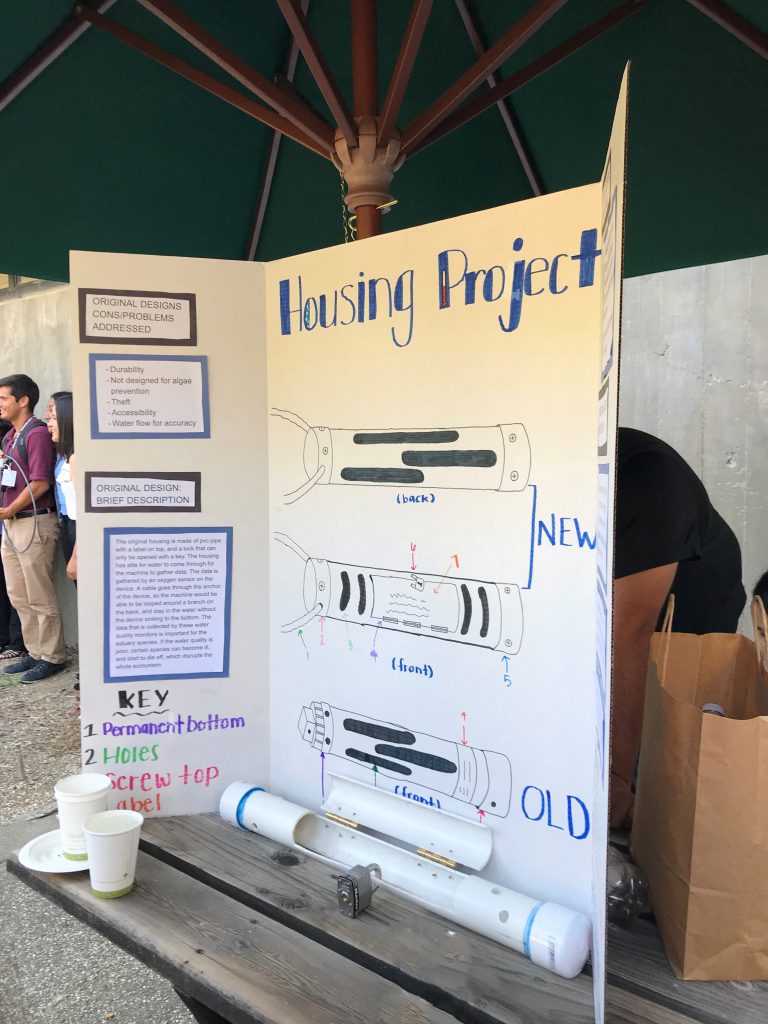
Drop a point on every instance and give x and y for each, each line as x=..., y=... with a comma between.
x=146, y=126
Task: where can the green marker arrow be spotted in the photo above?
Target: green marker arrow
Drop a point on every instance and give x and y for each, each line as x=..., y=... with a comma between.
x=349, y=641
x=301, y=637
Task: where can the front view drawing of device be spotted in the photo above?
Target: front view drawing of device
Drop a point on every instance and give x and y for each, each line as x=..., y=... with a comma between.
x=447, y=608
x=495, y=458
x=474, y=776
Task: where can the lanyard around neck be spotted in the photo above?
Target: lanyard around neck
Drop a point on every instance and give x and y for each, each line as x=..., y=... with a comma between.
x=31, y=422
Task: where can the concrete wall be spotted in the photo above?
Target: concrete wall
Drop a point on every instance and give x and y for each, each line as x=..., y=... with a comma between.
x=694, y=372
x=34, y=339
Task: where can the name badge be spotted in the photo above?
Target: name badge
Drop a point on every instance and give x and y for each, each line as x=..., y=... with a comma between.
x=8, y=479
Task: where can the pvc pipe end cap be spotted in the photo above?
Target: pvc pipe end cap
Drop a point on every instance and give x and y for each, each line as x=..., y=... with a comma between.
x=560, y=940
x=230, y=801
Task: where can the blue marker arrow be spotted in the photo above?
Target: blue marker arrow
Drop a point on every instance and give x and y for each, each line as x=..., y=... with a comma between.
x=374, y=652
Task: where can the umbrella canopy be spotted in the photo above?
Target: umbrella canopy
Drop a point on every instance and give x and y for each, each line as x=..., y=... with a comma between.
x=104, y=148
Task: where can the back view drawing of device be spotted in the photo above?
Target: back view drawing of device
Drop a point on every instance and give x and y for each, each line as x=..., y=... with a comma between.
x=493, y=458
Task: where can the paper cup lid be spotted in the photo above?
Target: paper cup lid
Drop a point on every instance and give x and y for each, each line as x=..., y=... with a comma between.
x=713, y=709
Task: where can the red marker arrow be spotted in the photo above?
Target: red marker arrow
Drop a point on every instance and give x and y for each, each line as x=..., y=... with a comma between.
x=454, y=558
x=464, y=735
x=481, y=812
x=413, y=556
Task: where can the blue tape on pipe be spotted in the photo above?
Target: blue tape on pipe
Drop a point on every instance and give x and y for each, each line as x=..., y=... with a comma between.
x=527, y=929
x=241, y=805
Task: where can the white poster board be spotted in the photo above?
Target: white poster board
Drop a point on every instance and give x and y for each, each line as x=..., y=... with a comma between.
x=479, y=396
x=612, y=184
x=173, y=532
x=397, y=567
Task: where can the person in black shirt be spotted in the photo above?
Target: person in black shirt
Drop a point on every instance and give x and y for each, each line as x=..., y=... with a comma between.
x=669, y=539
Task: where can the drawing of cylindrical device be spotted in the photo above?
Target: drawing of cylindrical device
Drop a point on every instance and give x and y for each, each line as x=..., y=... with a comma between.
x=494, y=458
x=474, y=776
x=465, y=611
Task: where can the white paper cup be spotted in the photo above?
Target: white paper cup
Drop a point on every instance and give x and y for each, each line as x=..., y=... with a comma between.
x=77, y=798
x=112, y=841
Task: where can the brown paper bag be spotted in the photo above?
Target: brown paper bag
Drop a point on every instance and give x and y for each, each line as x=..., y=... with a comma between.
x=701, y=812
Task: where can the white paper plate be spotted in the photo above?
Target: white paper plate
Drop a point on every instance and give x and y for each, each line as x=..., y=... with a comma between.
x=46, y=853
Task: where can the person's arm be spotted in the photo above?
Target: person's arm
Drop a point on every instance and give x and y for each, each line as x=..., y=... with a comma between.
x=637, y=602
x=40, y=460
x=72, y=563
x=656, y=529
x=24, y=500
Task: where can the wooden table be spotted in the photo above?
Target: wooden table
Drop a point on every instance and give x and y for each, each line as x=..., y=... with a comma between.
x=247, y=931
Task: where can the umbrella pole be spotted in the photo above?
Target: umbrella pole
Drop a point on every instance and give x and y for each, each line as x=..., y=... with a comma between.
x=365, y=91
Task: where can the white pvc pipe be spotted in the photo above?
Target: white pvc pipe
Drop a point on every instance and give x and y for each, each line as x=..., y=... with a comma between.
x=423, y=827
x=551, y=935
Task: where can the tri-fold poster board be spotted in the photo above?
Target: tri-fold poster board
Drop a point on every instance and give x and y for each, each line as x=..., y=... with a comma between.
x=350, y=514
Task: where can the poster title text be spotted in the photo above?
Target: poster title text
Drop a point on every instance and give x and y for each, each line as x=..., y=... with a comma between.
x=459, y=283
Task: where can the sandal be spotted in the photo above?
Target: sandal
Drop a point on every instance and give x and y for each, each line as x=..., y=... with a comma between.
x=10, y=655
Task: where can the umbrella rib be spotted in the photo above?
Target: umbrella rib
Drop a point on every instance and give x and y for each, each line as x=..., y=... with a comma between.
x=317, y=64
x=51, y=49
x=263, y=198
x=271, y=161
x=285, y=103
x=527, y=74
x=727, y=18
x=201, y=79
x=507, y=114
x=401, y=75
x=512, y=40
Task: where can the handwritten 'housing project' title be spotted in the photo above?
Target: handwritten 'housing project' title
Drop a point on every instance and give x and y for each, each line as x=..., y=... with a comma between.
x=380, y=298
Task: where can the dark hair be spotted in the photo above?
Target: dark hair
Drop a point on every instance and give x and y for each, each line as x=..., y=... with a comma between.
x=761, y=589
x=22, y=386
x=62, y=401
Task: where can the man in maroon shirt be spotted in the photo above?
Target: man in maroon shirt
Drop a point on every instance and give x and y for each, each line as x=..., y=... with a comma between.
x=30, y=529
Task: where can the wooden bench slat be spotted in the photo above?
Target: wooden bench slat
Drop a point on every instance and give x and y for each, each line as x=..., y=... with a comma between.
x=243, y=966
x=252, y=931
x=626, y=1008
x=636, y=963
x=465, y=974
